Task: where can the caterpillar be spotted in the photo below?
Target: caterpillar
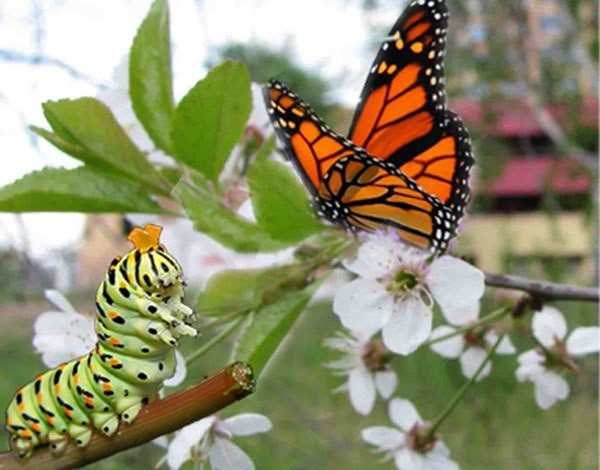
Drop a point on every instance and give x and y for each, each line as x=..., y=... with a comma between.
x=139, y=318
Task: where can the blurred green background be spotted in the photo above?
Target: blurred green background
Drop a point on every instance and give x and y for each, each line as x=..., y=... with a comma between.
x=497, y=426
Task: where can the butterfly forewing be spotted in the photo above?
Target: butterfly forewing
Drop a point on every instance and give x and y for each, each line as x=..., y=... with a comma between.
x=308, y=142
x=402, y=116
x=403, y=97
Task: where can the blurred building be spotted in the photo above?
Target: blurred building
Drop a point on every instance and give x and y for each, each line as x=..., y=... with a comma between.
x=104, y=238
x=531, y=213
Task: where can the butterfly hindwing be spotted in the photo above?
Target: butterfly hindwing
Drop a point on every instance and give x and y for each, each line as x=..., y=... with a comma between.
x=443, y=169
x=365, y=193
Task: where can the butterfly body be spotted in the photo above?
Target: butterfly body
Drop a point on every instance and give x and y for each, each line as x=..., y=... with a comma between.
x=406, y=162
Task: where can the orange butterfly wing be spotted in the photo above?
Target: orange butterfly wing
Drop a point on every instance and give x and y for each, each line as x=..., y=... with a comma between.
x=402, y=116
x=365, y=193
x=308, y=142
x=349, y=187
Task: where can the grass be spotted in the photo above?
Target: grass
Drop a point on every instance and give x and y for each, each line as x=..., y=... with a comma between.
x=497, y=426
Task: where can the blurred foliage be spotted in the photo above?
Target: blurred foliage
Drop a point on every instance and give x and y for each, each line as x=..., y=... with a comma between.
x=498, y=426
x=265, y=63
x=20, y=275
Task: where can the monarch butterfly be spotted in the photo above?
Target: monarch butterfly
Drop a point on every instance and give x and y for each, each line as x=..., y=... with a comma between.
x=406, y=161
x=139, y=318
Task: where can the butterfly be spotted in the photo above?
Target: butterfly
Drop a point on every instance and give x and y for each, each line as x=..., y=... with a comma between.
x=406, y=161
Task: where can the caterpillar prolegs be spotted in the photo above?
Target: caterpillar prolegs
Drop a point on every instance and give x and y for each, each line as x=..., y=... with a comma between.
x=139, y=318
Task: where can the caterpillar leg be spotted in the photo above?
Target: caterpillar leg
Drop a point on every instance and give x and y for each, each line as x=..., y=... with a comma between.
x=107, y=423
x=80, y=434
x=131, y=413
x=57, y=442
x=175, y=324
x=23, y=447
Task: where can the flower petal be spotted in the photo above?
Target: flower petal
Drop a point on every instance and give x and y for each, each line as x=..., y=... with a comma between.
x=403, y=414
x=361, y=390
x=161, y=441
x=363, y=305
x=505, y=347
x=530, y=365
x=224, y=454
x=407, y=459
x=438, y=461
x=383, y=437
x=451, y=347
x=59, y=300
x=549, y=388
x=180, y=371
x=454, y=283
x=462, y=315
x=408, y=327
x=61, y=336
x=471, y=359
x=375, y=258
x=179, y=450
x=548, y=325
x=584, y=340
x=440, y=448
x=386, y=382
x=246, y=424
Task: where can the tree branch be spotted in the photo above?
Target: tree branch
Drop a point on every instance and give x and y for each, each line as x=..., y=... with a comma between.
x=7, y=55
x=542, y=289
x=227, y=386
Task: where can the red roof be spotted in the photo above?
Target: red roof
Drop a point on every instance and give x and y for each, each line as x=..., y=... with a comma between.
x=515, y=118
x=531, y=177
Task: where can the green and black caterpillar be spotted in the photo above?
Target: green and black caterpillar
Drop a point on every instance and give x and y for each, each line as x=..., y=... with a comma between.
x=139, y=318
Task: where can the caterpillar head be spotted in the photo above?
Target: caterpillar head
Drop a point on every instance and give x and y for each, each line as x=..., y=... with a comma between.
x=153, y=269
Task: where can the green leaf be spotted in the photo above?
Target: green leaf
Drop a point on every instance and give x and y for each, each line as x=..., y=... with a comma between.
x=212, y=218
x=63, y=145
x=210, y=119
x=280, y=202
x=150, y=81
x=270, y=326
x=237, y=290
x=78, y=190
x=89, y=124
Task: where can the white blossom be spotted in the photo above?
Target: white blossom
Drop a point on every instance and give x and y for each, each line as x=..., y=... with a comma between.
x=472, y=346
x=210, y=440
x=407, y=444
x=543, y=365
x=366, y=366
x=64, y=334
x=396, y=288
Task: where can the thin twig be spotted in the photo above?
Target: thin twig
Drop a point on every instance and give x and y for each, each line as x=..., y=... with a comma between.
x=460, y=394
x=492, y=317
x=7, y=55
x=542, y=289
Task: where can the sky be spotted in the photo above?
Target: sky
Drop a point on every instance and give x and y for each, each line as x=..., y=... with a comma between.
x=333, y=37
